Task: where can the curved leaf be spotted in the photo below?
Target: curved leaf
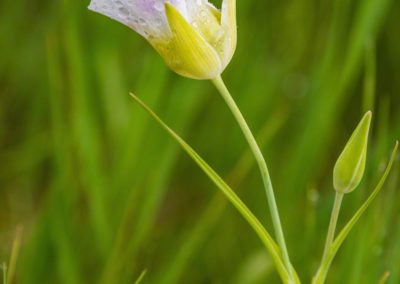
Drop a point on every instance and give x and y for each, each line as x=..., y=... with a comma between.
x=229, y=193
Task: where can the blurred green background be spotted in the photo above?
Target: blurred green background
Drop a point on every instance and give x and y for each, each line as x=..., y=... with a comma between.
x=103, y=192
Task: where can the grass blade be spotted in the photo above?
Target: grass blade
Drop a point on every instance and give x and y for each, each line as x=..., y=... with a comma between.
x=384, y=277
x=229, y=193
x=141, y=276
x=14, y=254
x=4, y=267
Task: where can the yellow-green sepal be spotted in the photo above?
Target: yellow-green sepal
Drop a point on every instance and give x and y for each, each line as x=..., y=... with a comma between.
x=228, y=22
x=187, y=53
x=349, y=168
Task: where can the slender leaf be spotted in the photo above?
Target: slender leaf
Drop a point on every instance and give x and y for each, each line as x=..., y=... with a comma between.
x=229, y=193
x=4, y=267
x=14, y=254
x=141, y=276
x=384, y=277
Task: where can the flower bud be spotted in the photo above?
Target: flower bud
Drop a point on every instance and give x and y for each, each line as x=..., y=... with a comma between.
x=194, y=38
x=349, y=168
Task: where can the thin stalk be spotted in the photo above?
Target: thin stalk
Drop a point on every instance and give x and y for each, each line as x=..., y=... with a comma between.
x=14, y=255
x=321, y=274
x=220, y=85
x=370, y=75
x=332, y=223
x=141, y=276
x=4, y=266
x=384, y=277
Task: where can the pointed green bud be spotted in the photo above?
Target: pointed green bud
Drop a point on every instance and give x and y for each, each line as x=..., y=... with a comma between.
x=349, y=168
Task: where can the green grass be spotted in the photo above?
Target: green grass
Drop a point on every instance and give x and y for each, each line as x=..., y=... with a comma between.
x=78, y=156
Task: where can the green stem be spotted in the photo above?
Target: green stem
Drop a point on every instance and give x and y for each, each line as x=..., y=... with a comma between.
x=220, y=85
x=321, y=274
x=332, y=223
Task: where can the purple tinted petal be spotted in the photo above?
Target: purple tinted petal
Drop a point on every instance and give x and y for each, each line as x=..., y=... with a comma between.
x=147, y=17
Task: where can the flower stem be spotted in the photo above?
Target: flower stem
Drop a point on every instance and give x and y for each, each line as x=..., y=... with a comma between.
x=220, y=85
x=321, y=274
x=332, y=223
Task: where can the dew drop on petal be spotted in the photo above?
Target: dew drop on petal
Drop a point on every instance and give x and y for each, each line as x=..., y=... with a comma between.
x=158, y=6
x=123, y=12
x=146, y=17
x=142, y=22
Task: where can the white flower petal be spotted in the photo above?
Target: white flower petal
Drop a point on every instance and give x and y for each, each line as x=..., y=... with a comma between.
x=147, y=17
x=228, y=22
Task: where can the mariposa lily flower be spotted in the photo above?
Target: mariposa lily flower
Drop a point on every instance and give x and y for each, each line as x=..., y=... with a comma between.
x=195, y=39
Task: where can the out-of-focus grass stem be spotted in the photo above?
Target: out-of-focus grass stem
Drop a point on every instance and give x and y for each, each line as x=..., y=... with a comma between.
x=4, y=266
x=384, y=277
x=137, y=220
x=14, y=254
x=141, y=276
x=370, y=76
x=220, y=85
x=86, y=132
x=395, y=277
x=61, y=233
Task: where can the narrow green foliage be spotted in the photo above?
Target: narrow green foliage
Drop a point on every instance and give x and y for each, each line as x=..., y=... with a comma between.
x=141, y=276
x=349, y=168
x=62, y=194
x=254, y=268
x=230, y=194
x=14, y=254
x=370, y=75
x=384, y=277
x=322, y=272
x=4, y=267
